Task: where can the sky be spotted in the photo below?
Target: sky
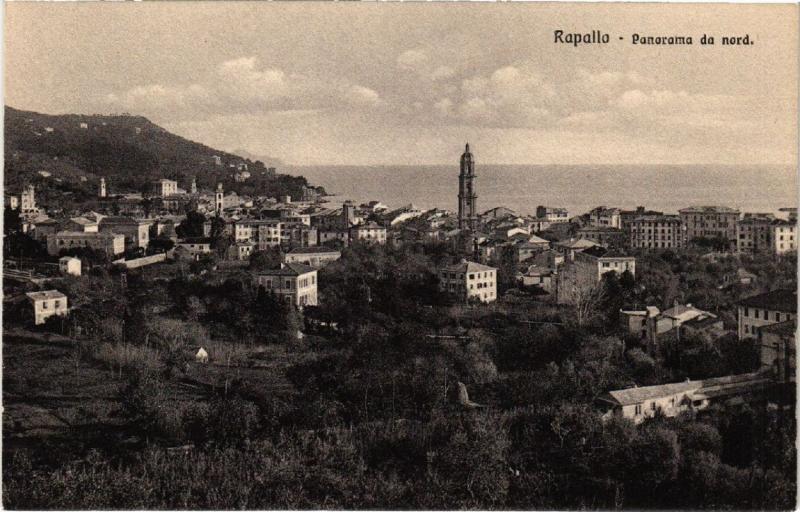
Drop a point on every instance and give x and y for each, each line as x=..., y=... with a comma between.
x=410, y=83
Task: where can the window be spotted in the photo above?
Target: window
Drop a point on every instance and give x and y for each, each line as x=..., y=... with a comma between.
x=638, y=409
x=746, y=311
x=44, y=305
x=755, y=313
x=777, y=317
x=653, y=405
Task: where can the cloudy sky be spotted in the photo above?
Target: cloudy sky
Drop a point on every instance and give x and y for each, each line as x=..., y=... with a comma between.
x=408, y=83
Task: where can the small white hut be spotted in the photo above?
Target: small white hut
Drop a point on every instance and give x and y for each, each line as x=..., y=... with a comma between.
x=201, y=356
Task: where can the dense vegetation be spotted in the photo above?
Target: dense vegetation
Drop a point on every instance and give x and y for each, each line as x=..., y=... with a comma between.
x=361, y=412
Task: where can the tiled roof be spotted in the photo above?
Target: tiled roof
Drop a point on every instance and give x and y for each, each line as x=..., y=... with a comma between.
x=709, y=209
x=311, y=250
x=788, y=327
x=288, y=269
x=44, y=295
x=776, y=300
x=467, y=266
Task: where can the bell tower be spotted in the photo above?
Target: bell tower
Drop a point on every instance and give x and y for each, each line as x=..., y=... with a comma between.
x=219, y=201
x=467, y=198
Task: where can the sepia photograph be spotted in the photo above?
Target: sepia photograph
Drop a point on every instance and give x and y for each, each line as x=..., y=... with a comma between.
x=399, y=256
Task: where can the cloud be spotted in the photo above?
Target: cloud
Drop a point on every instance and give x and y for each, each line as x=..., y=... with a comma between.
x=242, y=85
x=360, y=95
x=413, y=60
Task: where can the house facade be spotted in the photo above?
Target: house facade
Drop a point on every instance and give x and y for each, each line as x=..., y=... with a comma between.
x=46, y=304
x=710, y=222
x=653, y=232
x=111, y=244
x=765, y=309
x=292, y=282
x=467, y=280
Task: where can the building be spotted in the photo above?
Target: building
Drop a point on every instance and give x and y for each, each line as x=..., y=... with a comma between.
x=650, y=323
x=102, y=191
x=370, y=232
x=609, y=237
x=654, y=232
x=70, y=265
x=569, y=248
x=710, y=222
x=765, y=309
x=467, y=198
x=241, y=251
x=551, y=214
x=44, y=228
x=46, y=304
x=784, y=236
x=339, y=236
x=293, y=282
x=777, y=347
x=193, y=248
x=754, y=233
x=193, y=187
x=691, y=396
x=537, y=276
x=112, y=244
x=605, y=217
x=469, y=280
x=27, y=201
x=164, y=187
x=81, y=224
x=587, y=269
x=315, y=257
x=136, y=231
x=219, y=200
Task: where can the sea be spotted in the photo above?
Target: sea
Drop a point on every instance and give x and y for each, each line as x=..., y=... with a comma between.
x=579, y=188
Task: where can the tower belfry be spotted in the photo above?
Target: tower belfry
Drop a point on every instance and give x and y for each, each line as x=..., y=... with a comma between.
x=467, y=198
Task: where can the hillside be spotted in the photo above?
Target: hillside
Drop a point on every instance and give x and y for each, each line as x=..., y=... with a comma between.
x=70, y=152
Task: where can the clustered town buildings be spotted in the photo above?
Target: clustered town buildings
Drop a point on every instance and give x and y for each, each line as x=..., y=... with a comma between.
x=571, y=261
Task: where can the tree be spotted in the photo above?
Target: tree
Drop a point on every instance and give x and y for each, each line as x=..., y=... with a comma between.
x=585, y=295
x=192, y=225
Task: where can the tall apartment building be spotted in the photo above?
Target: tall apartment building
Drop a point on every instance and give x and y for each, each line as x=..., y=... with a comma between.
x=656, y=232
x=784, y=236
x=754, y=233
x=710, y=222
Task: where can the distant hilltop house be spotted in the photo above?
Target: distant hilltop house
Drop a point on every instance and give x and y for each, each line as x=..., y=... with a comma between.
x=163, y=187
x=46, y=304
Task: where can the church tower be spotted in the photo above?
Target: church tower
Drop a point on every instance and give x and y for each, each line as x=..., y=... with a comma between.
x=218, y=199
x=193, y=189
x=467, y=198
x=102, y=191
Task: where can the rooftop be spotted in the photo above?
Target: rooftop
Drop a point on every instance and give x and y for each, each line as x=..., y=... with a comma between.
x=786, y=328
x=467, y=266
x=709, y=209
x=598, y=251
x=45, y=295
x=312, y=250
x=288, y=269
x=776, y=300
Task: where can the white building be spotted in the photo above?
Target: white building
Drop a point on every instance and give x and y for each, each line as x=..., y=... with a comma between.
x=293, y=282
x=369, y=232
x=315, y=257
x=467, y=280
x=784, y=236
x=111, y=244
x=164, y=187
x=46, y=304
x=70, y=265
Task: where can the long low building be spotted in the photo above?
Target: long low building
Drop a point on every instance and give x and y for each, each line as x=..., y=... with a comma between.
x=316, y=257
x=111, y=244
x=640, y=403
